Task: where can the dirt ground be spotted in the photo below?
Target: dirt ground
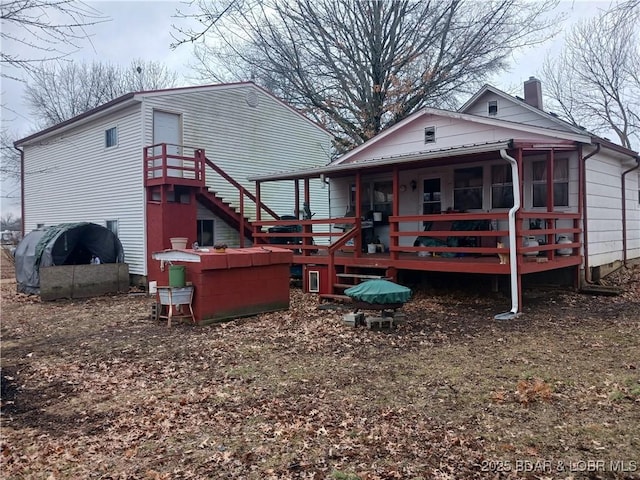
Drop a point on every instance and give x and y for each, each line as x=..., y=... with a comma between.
x=96, y=389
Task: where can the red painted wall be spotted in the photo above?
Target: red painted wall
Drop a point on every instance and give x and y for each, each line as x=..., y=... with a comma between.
x=237, y=283
x=164, y=221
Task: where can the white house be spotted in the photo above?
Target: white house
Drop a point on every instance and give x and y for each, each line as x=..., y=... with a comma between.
x=96, y=168
x=498, y=188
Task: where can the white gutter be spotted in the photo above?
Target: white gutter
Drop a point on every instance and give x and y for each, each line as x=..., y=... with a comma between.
x=513, y=257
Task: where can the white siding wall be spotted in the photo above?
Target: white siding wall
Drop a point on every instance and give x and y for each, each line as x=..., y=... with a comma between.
x=510, y=111
x=450, y=133
x=222, y=232
x=604, y=201
x=246, y=141
x=633, y=215
x=74, y=178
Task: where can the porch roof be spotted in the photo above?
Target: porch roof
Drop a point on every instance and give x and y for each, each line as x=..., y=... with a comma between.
x=413, y=157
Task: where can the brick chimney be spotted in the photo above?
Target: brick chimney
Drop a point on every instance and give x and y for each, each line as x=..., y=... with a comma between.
x=533, y=92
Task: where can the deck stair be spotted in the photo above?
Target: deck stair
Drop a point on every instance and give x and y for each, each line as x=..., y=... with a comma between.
x=224, y=210
x=350, y=276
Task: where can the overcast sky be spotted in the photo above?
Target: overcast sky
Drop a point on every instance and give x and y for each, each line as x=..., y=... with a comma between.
x=143, y=29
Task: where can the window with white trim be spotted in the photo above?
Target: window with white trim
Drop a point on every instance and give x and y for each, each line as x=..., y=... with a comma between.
x=205, y=233
x=112, y=225
x=111, y=137
x=492, y=108
x=560, y=182
x=467, y=188
x=501, y=186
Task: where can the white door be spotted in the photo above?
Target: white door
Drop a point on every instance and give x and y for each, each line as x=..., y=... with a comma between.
x=166, y=129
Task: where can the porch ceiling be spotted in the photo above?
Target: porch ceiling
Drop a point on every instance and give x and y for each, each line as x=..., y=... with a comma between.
x=378, y=163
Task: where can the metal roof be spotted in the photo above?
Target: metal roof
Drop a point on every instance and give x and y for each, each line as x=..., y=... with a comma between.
x=384, y=161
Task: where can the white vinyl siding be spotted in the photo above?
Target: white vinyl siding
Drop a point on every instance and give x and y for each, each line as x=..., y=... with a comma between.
x=222, y=232
x=245, y=140
x=451, y=133
x=604, y=176
x=510, y=111
x=75, y=179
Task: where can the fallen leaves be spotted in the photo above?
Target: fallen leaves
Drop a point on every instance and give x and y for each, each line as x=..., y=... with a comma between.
x=100, y=390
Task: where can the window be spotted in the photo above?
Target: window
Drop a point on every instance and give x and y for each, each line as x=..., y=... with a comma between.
x=314, y=281
x=430, y=135
x=205, y=233
x=467, y=188
x=560, y=183
x=493, y=108
x=501, y=186
x=376, y=197
x=39, y=225
x=111, y=137
x=112, y=225
x=431, y=197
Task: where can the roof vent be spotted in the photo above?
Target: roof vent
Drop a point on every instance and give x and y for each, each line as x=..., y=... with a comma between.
x=430, y=134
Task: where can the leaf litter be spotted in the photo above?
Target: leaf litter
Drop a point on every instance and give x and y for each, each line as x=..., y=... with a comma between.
x=96, y=389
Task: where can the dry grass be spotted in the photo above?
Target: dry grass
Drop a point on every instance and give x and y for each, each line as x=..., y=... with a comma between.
x=95, y=389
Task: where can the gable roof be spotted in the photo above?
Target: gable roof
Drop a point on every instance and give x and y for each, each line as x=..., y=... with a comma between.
x=562, y=134
x=132, y=98
x=562, y=124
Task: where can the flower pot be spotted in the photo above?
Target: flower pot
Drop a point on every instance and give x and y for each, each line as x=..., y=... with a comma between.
x=178, y=242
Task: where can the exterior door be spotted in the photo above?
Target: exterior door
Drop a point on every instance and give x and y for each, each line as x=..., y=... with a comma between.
x=431, y=196
x=166, y=129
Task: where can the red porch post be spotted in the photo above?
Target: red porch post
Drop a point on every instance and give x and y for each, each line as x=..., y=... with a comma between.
x=395, y=209
x=306, y=240
x=550, y=223
x=296, y=210
x=357, y=241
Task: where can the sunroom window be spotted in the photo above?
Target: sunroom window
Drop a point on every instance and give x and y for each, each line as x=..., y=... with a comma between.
x=467, y=188
x=560, y=183
x=501, y=186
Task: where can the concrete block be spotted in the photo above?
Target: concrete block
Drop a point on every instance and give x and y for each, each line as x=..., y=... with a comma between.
x=379, y=322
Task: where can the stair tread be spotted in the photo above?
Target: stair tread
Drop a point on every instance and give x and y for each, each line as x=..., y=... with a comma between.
x=372, y=267
x=343, y=285
x=335, y=296
x=358, y=275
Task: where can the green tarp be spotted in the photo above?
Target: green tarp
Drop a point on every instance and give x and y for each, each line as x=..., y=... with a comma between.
x=379, y=291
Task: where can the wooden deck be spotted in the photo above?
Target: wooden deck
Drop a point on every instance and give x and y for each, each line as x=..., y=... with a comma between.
x=489, y=264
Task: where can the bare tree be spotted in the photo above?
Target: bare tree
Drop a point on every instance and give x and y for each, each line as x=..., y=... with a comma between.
x=595, y=81
x=360, y=66
x=61, y=90
x=9, y=221
x=37, y=30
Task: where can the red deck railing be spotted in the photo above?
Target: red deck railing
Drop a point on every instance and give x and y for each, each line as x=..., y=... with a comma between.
x=165, y=164
x=479, y=243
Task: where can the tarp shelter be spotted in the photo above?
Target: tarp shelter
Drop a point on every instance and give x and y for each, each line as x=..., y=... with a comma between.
x=64, y=244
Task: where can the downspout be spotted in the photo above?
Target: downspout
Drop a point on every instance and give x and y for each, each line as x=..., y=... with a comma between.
x=624, y=211
x=21, y=190
x=585, y=229
x=513, y=257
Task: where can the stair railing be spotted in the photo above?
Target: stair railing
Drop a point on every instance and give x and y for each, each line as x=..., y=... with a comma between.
x=354, y=234
x=241, y=189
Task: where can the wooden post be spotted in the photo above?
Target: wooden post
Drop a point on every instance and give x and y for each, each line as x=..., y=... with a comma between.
x=307, y=240
x=296, y=210
x=357, y=241
x=550, y=223
x=395, y=211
